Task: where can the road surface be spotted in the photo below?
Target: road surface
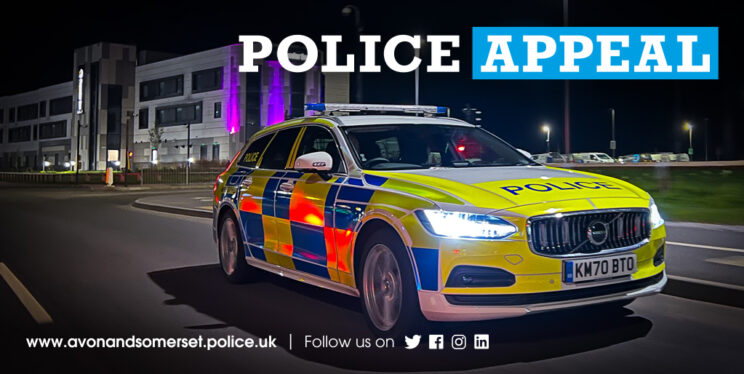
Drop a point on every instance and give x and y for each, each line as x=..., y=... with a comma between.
x=101, y=268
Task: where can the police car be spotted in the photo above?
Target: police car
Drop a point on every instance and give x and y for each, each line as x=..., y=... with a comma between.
x=419, y=214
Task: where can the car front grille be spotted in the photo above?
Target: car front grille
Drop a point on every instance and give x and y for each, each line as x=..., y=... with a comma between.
x=569, y=234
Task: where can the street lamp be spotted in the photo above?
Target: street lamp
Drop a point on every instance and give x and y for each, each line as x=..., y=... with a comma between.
x=348, y=11
x=546, y=130
x=613, y=143
x=417, y=53
x=189, y=160
x=688, y=127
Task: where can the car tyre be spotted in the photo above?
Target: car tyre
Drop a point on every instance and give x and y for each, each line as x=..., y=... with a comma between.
x=232, y=251
x=387, y=286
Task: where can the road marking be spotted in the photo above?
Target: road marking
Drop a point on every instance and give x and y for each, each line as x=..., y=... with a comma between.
x=731, y=260
x=706, y=282
x=37, y=311
x=707, y=247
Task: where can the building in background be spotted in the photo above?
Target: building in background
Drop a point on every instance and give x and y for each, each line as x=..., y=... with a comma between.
x=103, y=103
x=154, y=105
x=34, y=127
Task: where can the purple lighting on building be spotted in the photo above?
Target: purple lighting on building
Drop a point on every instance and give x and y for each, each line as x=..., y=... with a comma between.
x=275, y=108
x=232, y=109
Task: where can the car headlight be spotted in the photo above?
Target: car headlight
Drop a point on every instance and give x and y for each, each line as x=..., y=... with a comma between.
x=465, y=225
x=655, y=217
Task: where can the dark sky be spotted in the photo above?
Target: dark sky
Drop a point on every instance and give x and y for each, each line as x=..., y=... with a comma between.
x=38, y=41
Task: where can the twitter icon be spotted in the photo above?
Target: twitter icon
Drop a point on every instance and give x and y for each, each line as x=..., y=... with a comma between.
x=413, y=342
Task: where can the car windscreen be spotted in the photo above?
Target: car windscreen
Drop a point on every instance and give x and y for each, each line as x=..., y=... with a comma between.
x=418, y=146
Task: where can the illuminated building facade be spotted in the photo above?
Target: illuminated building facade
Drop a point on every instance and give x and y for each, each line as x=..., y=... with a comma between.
x=120, y=100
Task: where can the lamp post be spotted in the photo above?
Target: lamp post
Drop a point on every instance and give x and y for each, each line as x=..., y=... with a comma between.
x=706, y=139
x=546, y=130
x=347, y=11
x=613, y=144
x=417, y=53
x=188, y=151
x=688, y=127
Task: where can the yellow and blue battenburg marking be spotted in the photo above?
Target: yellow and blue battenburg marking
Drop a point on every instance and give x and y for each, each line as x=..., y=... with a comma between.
x=289, y=218
x=299, y=221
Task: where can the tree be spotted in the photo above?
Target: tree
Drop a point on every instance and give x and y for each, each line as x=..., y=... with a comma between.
x=156, y=137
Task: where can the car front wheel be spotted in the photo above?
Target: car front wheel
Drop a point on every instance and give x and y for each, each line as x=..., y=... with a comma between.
x=387, y=286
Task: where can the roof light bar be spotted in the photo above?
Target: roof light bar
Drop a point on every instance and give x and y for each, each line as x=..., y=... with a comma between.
x=425, y=109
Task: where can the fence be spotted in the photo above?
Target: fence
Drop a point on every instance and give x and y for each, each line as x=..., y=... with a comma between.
x=145, y=176
x=67, y=178
x=178, y=176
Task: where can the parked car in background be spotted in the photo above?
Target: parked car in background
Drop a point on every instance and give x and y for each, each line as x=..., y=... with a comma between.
x=683, y=157
x=593, y=157
x=626, y=159
x=552, y=157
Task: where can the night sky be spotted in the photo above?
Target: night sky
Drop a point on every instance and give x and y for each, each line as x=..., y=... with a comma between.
x=38, y=42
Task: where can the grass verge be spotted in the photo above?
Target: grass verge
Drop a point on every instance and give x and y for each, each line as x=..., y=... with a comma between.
x=695, y=194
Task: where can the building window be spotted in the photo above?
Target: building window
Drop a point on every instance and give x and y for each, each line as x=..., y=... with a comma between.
x=178, y=114
x=19, y=134
x=36, y=132
x=2, y=115
x=57, y=129
x=161, y=88
x=206, y=80
x=28, y=112
x=203, y=152
x=218, y=109
x=62, y=105
x=42, y=109
x=215, y=152
x=144, y=118
x=11, y=115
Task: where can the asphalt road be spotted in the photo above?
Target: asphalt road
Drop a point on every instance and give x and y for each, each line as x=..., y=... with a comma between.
x=712, y=253
x=101, y=268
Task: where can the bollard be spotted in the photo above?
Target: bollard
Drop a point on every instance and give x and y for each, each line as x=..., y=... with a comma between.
x=109, y=176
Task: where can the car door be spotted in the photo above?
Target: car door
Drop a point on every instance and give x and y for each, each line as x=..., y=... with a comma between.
x=257, y=202
x=250, y=182
x=311, y=204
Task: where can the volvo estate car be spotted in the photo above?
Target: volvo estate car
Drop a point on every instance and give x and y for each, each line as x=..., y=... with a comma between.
x=425, y=216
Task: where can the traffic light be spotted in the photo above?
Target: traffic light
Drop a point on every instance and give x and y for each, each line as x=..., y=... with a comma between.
x=130, y=154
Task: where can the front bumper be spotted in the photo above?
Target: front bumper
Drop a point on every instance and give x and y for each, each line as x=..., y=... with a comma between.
x=436, y=306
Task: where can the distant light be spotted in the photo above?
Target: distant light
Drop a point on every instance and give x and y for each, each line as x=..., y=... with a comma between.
x=81, y=76
x=154, y=162
x=117, y=163
x=67, y=164
x=688, y=126
x=546, y=128
x=47, y=163
x=191, y=160
x=461, y=148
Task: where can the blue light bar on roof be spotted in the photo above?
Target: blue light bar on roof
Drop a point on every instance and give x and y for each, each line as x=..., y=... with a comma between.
x=426, y=109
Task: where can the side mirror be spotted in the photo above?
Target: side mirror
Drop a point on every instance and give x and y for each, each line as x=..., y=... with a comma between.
x=314, y=162
x=525, y=153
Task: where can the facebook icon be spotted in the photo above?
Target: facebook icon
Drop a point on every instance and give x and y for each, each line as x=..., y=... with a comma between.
x=436, y=341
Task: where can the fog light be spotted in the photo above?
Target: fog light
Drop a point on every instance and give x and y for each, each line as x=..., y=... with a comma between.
x=479, y=276
x=659, y=256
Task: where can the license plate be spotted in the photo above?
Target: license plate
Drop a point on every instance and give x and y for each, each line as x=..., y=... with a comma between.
x=598, y=268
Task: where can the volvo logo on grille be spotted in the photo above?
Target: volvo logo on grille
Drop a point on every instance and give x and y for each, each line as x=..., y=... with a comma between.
x=597, y=232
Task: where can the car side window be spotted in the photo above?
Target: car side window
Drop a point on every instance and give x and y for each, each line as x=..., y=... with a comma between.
x=318, y=139
x=277, y=154
x=253, y=152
